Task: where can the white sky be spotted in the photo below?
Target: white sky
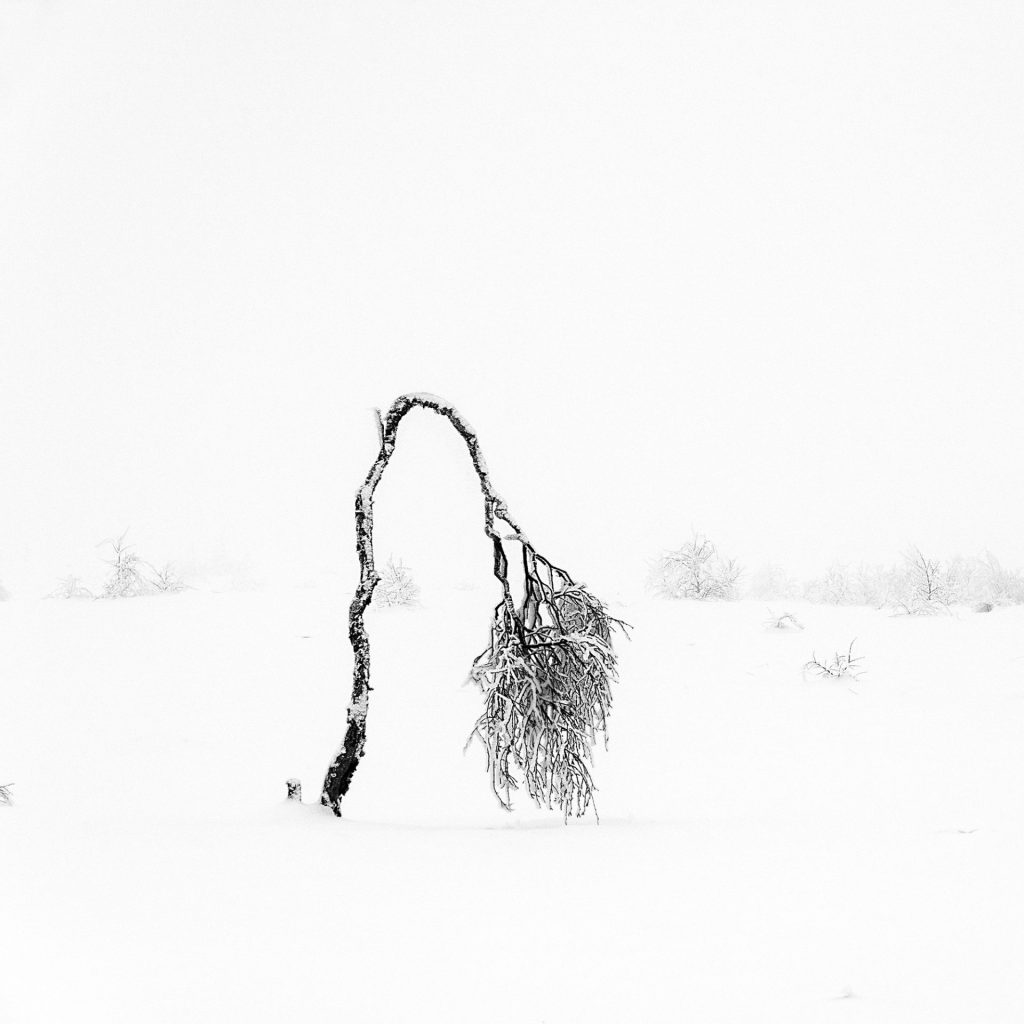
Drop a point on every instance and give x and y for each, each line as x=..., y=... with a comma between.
x=754, y=269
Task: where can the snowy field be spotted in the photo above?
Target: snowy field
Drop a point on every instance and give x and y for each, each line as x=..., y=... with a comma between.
x=772, y=848
x=752, y=269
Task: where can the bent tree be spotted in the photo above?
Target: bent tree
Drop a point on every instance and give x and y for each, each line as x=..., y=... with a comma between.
x=545, y=674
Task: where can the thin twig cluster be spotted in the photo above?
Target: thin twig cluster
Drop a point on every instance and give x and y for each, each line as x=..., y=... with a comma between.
x=841, y=666
x=546, y=677
x=5, y=794
x=396, y=587
x=925, y=588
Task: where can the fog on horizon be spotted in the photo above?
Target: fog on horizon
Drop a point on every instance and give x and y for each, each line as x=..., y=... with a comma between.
x=751, y=272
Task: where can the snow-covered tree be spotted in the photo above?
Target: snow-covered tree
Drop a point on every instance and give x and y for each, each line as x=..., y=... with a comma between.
x=546, y=672
x=695, y=572
x=922, y=588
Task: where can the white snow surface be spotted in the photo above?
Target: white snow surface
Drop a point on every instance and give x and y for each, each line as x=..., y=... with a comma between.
x=771, y=847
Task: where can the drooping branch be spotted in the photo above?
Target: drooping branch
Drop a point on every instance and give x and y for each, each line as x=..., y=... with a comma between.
x=546, y=673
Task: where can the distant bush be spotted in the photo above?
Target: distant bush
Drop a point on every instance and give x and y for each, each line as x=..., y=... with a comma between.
x=127, y=578
x=923, y=587
x=71, y=586
x=919, y=584
x=835, y=587
x=999, y=585
x=167, y=580
x=695, y=572
x=963, y=579
x=873, y=584
x=397, y=588
x=772, y=583
x=787, y=620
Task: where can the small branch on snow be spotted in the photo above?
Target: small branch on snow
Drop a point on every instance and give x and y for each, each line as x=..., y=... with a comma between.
x=841, y=666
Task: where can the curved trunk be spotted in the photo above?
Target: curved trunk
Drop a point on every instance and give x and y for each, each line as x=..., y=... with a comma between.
x=346, y=761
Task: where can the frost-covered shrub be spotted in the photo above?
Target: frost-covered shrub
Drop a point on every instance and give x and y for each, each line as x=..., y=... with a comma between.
x=4, y=594
x=132, y=577
x=167, y=580
x=71, y=586
x=873, y=584
x=917, y=585
x=397, y=588
x=5, y=793
x=129, y=576
x=999, y=585
x=835, y=587
x=785, y=621
x=922, y=588
x=126, y=578
x=695, y=572
x=860, y=584
x=970, y=580
x=772, y=583
x=962, y=579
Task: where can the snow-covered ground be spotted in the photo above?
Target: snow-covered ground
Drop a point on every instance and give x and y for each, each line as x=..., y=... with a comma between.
x=754, y=269
x=771, y=847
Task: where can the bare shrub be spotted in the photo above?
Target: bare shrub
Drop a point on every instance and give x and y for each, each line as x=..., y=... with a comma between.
x=841, y=666
x=922, y=588
x=5, y=794
x=695, y=572
x=126, y=578
x=835, y=587
x=963, y=578
x=396, y=587
x=787, y=620
x=1000, y=585
x=772, y=583
x=132, y=577
x=71, y=587
x=167, y=580
x=873, y=584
